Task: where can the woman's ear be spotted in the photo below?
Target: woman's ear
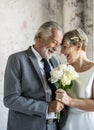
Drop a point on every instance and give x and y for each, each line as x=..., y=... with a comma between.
x=79, y=46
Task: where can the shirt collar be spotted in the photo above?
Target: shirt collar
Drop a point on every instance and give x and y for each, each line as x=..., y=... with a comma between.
x=36, y=54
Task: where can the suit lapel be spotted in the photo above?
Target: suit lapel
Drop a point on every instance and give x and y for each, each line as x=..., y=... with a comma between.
x=34, y=61
x=54, y=62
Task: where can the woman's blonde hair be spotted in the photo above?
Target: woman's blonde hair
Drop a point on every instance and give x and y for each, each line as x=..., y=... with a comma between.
x=75, y=36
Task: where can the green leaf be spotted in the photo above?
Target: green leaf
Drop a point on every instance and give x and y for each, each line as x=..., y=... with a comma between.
x=60, y=86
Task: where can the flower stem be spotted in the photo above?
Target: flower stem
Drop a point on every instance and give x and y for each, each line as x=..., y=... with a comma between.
x=58, y=116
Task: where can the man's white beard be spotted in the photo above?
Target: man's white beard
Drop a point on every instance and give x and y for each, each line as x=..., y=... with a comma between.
x=45, y=54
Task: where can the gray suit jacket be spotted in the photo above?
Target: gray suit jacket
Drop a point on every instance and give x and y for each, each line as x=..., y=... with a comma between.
x=24, y=92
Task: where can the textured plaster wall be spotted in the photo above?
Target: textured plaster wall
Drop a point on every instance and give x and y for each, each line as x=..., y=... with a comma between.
x=19, y=20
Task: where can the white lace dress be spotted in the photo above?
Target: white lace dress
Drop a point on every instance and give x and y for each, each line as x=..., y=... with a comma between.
x=82, y=88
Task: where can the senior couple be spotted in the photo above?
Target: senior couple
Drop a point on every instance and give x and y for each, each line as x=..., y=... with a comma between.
x=28, y=94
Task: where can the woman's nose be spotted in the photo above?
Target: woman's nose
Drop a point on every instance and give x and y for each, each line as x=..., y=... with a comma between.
x=62, y=50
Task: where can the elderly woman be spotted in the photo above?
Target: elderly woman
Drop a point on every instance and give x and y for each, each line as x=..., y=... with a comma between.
x=80, y=98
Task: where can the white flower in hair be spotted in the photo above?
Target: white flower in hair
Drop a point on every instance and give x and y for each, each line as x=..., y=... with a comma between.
x=82, y=35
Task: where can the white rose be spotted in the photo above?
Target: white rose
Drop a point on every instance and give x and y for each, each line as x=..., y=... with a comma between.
x=55, y=74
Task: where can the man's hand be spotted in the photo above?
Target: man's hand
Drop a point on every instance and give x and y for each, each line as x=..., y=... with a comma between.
x=55, y=106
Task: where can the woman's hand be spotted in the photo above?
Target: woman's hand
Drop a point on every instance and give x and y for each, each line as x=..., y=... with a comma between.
x=63, y=97
x=80, y=103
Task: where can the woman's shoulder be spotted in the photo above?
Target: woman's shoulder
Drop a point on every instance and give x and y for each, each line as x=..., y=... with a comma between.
x=87, y=66
x=91, y=64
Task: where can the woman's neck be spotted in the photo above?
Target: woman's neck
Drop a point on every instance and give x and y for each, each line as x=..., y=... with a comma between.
x=82, y=63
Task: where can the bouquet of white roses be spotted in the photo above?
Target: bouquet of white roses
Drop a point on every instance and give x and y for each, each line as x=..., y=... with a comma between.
x=63, y=76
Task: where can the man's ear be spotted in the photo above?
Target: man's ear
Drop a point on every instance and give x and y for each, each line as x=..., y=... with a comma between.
x=40, y=35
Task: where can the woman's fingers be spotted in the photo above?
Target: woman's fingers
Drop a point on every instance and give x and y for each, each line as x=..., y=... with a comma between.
x=62, y=96
x=59, y=96
x=60, y=91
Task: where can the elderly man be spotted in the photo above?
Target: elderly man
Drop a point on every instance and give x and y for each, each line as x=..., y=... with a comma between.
x=27, y=93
